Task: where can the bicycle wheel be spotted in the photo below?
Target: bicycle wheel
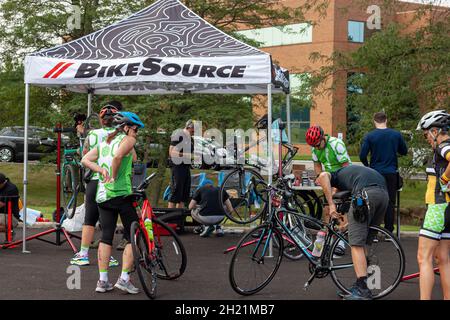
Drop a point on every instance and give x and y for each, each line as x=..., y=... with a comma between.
x=308, y=202
x=253, y=266
x=143, y=262
x=385, y=263
x=169, y=250
x=248, y=204
x=70, y=189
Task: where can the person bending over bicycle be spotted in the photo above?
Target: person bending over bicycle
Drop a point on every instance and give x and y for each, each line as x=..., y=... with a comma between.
x=434, y=236
x=369, y=204
x=205, y=208
x=93, y=140
x=113, y=160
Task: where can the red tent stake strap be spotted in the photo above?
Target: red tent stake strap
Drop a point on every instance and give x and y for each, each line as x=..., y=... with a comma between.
x=163, y=49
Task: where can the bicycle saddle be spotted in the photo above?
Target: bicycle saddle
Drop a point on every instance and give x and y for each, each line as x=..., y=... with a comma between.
x=342, y=195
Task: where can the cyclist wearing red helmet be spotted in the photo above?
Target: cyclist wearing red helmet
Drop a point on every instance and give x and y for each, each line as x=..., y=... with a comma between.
x=327, y=151
x=93, y=140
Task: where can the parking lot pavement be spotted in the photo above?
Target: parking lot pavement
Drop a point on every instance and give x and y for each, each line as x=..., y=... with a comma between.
x=42, y=274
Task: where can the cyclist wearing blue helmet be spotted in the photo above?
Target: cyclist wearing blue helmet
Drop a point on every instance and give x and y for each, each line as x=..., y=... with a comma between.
x=113, y=159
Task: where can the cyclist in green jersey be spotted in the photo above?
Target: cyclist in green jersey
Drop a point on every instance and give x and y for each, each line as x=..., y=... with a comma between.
x=93, y=139
x=434, y=236
x=113, y=160
x=327, y=151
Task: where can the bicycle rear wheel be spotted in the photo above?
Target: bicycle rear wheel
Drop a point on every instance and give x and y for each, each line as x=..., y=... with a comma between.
x=385, y=263
x=70, y=189
x=308, y=202
x=169, y=250
x=253, y=266
x=143, y=262
x=248, y=204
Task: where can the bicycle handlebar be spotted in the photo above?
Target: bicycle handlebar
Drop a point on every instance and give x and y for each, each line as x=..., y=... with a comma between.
x=144, y=185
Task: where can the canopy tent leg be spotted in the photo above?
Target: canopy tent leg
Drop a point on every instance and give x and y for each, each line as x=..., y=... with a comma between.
x=25, y=168
x=89, y=111
x=270, y=150
x=288, y=116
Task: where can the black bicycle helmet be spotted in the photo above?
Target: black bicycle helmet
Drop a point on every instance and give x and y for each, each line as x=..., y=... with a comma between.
x=127, y=118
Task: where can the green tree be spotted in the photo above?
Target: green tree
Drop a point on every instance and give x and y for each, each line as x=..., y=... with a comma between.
x=404, y=74
x=29, y=26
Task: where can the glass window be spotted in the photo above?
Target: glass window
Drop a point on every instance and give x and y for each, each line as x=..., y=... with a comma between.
x=300, y=106
x=281, y=35
x=356, y=31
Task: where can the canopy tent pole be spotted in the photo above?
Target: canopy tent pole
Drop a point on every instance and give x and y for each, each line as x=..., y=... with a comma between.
x=89, y=111
x=288, y=116
x=25, y=168
x=270, y=150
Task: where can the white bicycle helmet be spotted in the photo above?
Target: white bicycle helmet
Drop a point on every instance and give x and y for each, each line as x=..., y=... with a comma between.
x=434, y=119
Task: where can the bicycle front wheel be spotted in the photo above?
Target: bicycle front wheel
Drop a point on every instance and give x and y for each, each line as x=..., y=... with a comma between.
x=169, y=250
x=248, y=204
x=256, y=261
x=385, y=263
x=70, y=189
x=143, y=262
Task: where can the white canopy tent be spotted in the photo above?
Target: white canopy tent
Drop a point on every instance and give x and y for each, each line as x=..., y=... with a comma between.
x=163, y=49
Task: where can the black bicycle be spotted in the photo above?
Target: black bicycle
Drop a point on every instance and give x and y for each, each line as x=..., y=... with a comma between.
x=256, y=260
x=246, y=200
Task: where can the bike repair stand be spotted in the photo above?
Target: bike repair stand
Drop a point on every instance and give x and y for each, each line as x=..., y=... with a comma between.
x=58, y=229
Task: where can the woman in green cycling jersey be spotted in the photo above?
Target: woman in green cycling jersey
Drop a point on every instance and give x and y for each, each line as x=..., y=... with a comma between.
x=93, y=140
x=434, y=237
x=113, y=159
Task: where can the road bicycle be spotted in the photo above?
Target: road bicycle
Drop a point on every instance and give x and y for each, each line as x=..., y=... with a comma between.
x=73, y=174
x=256, y=261
x=157, y=250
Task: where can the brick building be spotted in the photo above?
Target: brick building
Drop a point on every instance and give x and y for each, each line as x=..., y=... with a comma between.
x=344, y=28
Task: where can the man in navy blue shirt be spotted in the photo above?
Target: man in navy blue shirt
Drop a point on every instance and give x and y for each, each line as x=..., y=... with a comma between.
x=384, y=144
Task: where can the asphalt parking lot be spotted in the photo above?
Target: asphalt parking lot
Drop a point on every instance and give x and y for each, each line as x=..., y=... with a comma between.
x=42, y=274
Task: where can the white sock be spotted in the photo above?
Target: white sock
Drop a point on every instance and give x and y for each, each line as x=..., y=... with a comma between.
x=125, y=276
x=84, y=251
x=104, y=276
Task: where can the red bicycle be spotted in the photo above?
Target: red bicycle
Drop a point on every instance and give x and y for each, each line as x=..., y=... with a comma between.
x=158, y=251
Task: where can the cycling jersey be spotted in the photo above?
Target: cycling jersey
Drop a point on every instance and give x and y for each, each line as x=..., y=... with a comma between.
x=436, y=224
x=122, y=184
x=95, y=137
x=333, y=156
x=441, y=158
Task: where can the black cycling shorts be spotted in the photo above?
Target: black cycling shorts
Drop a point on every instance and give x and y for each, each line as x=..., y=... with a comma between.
x=180, y=184
x=109, y=213
x=91, y=207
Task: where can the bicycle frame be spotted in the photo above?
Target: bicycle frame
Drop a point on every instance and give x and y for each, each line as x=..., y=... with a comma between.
x=146, y=213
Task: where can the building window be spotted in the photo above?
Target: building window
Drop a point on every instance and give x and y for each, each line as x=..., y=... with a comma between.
x=356, y=31
x=300, y=106
x=280, y=36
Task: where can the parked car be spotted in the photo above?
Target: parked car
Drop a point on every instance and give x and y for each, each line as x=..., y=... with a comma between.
x=41, y=141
